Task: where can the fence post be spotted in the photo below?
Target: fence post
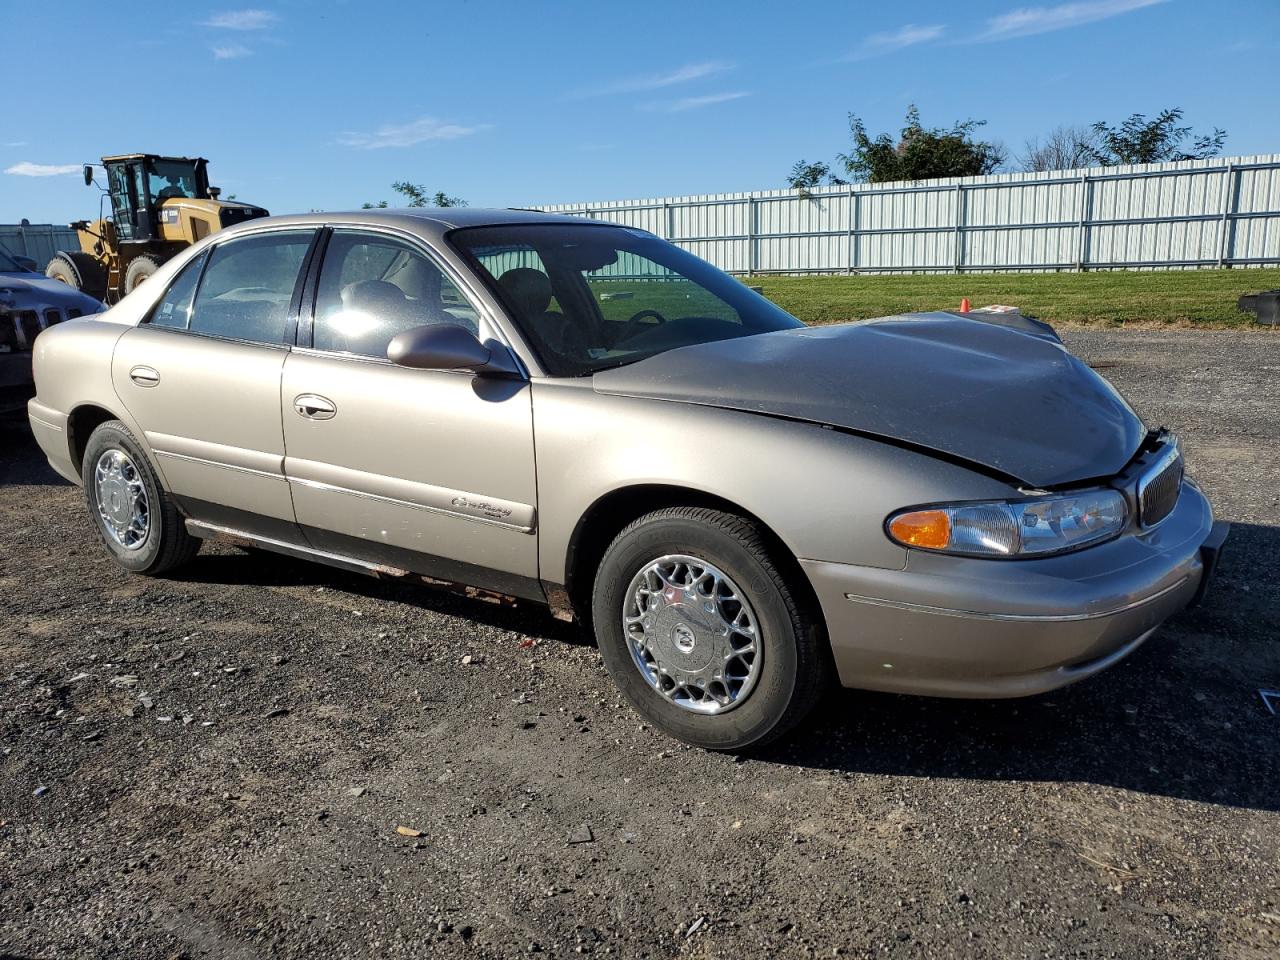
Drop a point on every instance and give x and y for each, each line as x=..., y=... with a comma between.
x=959, y=230
x=1082, y=239
x=753, y=238
x=1226, y=235
x=854, y=217
x=668, y=222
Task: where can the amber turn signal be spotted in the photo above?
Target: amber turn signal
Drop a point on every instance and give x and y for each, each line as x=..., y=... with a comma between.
x=922, y=528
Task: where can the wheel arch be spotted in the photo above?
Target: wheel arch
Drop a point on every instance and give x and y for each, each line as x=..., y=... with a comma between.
x=81, y=422
x=613, y=511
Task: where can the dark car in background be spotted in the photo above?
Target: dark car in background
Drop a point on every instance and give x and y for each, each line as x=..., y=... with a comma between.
x=29, y=302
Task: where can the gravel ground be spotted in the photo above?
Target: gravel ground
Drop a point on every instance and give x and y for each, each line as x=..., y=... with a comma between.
x=220, y=765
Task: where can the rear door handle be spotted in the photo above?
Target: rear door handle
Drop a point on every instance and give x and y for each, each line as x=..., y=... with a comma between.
x=144, y=376
x=314, y=407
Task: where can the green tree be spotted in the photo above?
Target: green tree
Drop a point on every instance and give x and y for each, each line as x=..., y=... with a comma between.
x=919, y=152
x=806, y=176
x=1139, y=140
x=417, y=196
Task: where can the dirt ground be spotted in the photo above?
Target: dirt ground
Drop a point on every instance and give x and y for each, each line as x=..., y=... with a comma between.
x=218, y=765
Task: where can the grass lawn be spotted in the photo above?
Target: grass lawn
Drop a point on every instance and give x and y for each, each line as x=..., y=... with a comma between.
x=1183, y=297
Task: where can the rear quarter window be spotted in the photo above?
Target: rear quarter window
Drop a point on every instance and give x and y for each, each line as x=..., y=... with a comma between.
x=174, y=309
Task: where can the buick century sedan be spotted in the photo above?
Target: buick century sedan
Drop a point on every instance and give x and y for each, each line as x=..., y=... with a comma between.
x=740, y=507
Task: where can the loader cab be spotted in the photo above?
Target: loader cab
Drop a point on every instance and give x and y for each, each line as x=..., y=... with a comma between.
x=139, y=183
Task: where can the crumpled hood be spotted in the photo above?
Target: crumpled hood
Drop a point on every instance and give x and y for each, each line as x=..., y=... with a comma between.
x=1012, y=401
x=30, y=290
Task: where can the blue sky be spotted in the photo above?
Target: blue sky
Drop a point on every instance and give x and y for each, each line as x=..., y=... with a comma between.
x=320, y=105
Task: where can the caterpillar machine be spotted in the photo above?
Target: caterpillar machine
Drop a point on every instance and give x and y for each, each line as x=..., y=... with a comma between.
x=159, y=206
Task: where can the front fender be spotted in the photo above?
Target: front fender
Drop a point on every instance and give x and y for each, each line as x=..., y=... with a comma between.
x=823, y=493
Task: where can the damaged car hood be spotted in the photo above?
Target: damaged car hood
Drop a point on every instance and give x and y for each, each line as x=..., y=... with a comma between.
x=1013, y=401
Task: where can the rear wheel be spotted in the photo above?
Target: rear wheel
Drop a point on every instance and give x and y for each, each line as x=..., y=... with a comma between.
x=135, y=518
x=701, y=632
x=80, y=271
x=139, y=271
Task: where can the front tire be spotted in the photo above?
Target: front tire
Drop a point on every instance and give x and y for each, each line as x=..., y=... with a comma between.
x=140, y=269
x=134, y=517
x=702, y=633
x=79, y=271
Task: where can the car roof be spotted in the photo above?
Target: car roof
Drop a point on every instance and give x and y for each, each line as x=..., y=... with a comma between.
x=433, y=222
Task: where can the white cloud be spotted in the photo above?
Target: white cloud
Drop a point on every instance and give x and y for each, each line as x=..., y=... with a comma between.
x=16, y=143
x=233, y=52
x=407, y=134
x=693, y=103
x=905, y=36
x=28, y=169
x=1028, y=21
x=684, y=74
x=242, y=20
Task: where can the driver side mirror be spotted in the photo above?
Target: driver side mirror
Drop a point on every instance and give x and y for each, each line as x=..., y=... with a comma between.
x=448, y=346
x=88, y=174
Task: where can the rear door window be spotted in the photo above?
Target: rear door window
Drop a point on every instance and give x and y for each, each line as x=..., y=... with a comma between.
x=248, y=286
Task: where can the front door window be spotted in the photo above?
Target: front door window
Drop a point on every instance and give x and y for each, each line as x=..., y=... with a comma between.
x=373, y=287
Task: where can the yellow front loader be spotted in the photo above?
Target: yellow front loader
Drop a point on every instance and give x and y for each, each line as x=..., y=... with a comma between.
x=159, y=206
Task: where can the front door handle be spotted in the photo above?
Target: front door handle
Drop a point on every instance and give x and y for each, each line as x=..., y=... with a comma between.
x=314, y=407
x=144, y=376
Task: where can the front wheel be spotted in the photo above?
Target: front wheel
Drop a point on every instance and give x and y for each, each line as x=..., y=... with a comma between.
x=136, y=519
x=79, y=271
x=140, y=269
x=701, y=631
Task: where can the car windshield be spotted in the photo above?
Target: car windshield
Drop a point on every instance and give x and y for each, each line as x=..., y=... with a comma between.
x=8, y=264
x=592, y=297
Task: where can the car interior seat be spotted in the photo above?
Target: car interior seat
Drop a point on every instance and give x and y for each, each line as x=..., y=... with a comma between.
x=530, y=293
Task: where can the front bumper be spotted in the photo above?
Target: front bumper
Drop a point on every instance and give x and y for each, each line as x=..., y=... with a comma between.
x=962, y=627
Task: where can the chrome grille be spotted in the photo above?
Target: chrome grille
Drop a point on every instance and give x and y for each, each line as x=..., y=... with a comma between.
x=19, y=328
x=1159, y=487
x=28, y=327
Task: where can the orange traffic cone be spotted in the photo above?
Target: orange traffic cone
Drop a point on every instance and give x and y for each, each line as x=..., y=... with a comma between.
x=964, y=305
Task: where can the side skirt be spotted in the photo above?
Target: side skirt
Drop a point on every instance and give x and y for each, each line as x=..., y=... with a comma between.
x=240, y=538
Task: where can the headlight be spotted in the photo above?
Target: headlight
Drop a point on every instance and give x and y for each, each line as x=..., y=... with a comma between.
x=1015, y=528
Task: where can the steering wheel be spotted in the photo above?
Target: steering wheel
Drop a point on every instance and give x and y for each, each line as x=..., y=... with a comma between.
x=632, y=327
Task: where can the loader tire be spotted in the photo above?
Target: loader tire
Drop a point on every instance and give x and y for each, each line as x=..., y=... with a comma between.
x=80, y=271
x=139, y=269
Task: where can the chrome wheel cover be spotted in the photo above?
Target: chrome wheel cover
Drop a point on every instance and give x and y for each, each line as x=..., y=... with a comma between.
x=692, y=634
x=122, y=500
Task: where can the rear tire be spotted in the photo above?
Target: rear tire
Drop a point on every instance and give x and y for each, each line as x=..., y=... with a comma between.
x=765, y=699
x=132, y=514
x=139, y=271
x=80, y=271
